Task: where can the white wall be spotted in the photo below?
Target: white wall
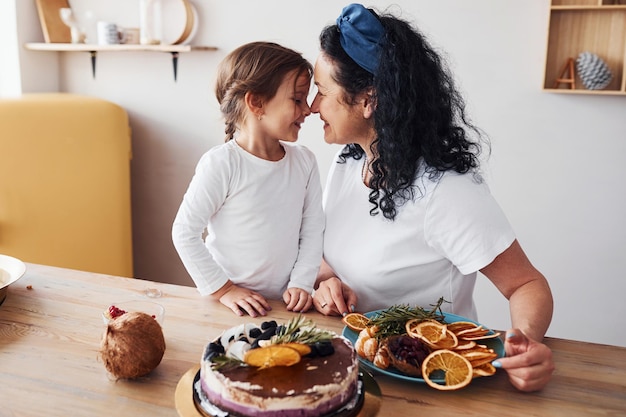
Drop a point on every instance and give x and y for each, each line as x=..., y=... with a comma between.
x=10, y=68
x=556, y=163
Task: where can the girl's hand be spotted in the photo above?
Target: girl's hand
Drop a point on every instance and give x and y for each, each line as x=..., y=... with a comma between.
x=242, y=300
x=528, y=363
x=333, y=297
x=297, y=300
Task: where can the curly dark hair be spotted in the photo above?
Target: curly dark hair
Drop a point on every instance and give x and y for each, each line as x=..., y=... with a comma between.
x=419, y=117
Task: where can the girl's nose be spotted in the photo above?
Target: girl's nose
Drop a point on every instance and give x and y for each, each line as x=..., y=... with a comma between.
x=306, y=110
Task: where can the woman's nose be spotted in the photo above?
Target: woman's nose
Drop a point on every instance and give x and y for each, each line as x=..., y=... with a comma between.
x=315, y=105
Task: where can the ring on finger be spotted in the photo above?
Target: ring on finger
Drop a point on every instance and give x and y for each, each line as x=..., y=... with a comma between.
x=324, y=304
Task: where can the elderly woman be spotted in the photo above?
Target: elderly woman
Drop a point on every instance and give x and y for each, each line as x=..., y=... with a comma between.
x=408, y=217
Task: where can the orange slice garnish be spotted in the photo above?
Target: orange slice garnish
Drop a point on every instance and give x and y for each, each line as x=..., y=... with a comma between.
x=272, y=355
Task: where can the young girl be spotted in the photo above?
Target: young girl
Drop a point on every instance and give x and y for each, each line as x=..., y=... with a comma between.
x=258, y=195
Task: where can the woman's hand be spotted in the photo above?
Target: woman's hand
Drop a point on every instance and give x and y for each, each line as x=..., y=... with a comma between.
x=297, y=300
x=242, y=300
x=332, y=297
x=528, y=363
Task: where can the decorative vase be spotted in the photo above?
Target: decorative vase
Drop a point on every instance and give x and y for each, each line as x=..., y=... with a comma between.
x=150, y=22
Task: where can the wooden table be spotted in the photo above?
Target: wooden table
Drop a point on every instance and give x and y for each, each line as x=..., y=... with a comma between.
x=51, y=326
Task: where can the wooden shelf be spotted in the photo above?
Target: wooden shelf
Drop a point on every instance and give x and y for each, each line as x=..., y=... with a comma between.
x=596, y=26
x=594, y=7
x=82, y=47
x=94, y=49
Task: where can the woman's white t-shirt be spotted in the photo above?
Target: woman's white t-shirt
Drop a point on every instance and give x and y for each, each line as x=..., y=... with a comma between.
x=264, y=221
x=433, y=248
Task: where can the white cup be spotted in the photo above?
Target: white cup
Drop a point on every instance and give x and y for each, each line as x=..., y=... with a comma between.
x=109, y=34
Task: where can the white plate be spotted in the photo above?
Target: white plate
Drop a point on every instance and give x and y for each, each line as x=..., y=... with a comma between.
x=194, y=28
x=180, y=21
x=11, y=269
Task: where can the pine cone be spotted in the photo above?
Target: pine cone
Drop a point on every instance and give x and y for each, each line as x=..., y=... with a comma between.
x=594, y=72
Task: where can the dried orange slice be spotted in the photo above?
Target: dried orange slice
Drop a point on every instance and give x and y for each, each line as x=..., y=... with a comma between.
x=470, y=331
x=272, y=355
x=465, y=344
x=458, y=326
x=486, y=369
x=356, y=321
x=477, y=358
x=480, y=337
x=478, y=329
x=429, y=329
x=457, y=371
x=434, y=334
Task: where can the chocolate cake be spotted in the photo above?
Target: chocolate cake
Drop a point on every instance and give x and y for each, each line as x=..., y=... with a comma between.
x=325, y=381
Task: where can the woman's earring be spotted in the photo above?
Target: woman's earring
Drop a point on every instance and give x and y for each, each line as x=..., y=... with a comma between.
x=260, y=117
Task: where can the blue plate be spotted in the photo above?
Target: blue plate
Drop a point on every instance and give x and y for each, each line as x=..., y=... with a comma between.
x=494, y=343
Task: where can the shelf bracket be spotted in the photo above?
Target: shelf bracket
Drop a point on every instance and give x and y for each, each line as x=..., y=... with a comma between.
x=175, y=64
x=567, y=75
x=93, y=63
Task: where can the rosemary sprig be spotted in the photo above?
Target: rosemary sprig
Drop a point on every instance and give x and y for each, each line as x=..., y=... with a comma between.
x=392, y=320
x=224, y=363
x=301, y=330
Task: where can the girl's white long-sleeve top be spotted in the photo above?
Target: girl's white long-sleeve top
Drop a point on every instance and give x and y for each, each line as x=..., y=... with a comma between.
x=263, y=219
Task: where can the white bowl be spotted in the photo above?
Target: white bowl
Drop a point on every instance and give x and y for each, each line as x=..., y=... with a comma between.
x=149, y=307
x=11, y=269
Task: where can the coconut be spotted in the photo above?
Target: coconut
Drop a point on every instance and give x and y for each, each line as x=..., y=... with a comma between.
x=132, y=345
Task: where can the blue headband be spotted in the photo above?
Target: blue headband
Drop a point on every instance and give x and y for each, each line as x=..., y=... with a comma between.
x=361, y=35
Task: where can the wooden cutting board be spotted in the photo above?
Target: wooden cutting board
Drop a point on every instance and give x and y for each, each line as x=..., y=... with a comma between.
x=54, y=30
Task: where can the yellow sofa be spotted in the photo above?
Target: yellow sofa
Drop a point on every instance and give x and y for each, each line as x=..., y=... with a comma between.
x=65, y=182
